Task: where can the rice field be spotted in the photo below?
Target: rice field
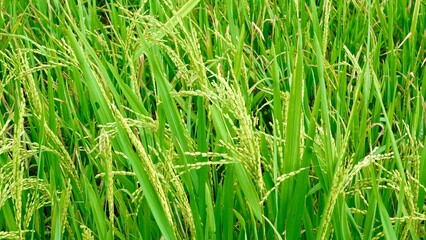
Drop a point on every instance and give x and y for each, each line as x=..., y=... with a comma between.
x=194, y=119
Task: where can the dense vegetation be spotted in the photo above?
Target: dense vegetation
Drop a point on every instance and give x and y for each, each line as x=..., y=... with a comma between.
x=212, y=119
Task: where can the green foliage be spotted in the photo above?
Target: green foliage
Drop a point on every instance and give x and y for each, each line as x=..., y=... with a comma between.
x=212, y=119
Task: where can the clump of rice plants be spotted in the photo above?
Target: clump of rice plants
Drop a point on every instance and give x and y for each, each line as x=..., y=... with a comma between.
x=212, y=119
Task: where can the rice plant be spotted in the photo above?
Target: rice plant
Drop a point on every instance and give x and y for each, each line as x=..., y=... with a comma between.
x=212, y=119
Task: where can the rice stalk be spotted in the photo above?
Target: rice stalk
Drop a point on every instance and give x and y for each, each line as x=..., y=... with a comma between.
x=18, y=163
